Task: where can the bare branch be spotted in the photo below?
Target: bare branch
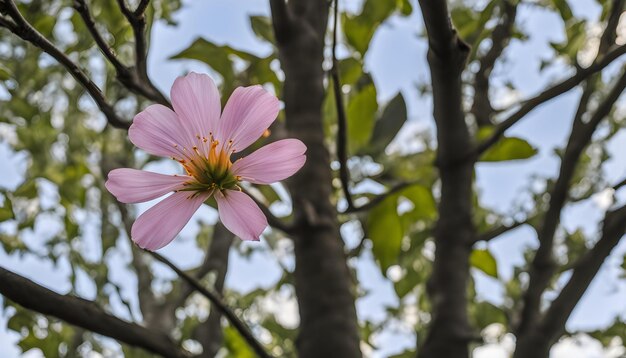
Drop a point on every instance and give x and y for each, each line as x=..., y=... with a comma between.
x=210, y=333
x=547, y=95
x=28, y=33
x=141, y=8
x=379, y=198
x=342, y=122
x=481, y=108
x=83, y=313
x=218, y=304
x=543, y=266
x=539, y=340
x=83, y=10
x=499, y=230
x=143, y=84
x=619, y=185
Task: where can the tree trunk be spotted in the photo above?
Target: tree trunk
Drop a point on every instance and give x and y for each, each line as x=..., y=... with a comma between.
x=328, y=322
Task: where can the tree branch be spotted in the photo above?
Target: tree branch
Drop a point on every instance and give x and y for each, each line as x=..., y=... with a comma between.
x=499, y=230
x=210, y=333
x=83, y=10
x=139, y=80
x=539, y=341
x=342, y=122
x=379, y=198
x=547, y=95
x=543, y=266
x=481, y=107
x=218, y=304
x=442, y=37
x=28, y=33
x=619, y=185
x=83, y=313
x=449, y=331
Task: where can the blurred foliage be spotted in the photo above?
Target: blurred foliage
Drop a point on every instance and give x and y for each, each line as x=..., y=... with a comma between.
x=65, y=150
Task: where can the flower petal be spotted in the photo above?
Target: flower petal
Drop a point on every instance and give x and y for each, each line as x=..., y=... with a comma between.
x=157, y=130
x=160, y=224
x=273, y=162
x=240, y=214
x=247, y=114
x=196, y=100
x=136, y=186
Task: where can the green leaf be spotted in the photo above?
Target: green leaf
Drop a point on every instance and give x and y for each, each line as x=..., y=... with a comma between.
x=27, y=190
x=485, y=313
x=21, y=319
x=471, y=23
x=5, y=73
x=350, y=70
x=236, y=345
x=563, y=8
x=387, y=126
x=576, y=38
x=217, y=57
x=423, y=201
x=262, y=27
x=484, y=261
x=360, y=29
x=385, y=230
x=509, y=148
x=6, y=211
x=361, y=115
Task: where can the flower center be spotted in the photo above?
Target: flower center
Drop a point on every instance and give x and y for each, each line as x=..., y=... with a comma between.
x=209, y=164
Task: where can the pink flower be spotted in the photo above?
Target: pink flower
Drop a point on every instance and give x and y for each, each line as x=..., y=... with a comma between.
x=202, y=140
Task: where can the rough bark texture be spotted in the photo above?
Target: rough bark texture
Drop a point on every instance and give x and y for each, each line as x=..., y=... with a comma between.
x=449, y=332
x=328, y=322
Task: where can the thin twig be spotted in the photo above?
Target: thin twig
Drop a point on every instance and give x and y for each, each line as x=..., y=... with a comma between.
x=379, y=198
x=342, y=122
x=547, y=95
x=217, y=303
x=495, y=232
x=500, y=36
x=619, y=185
x=28, y=33
x=83, y=10
x=137, y=21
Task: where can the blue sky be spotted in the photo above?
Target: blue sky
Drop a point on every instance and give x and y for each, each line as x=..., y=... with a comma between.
x=397, y=62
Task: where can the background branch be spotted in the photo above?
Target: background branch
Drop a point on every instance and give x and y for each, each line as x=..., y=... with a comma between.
x=538, y=343
x=342, y=122
x=481, y=107
x=218, y=304
x=543, y=266
x=83, y=313
x=379, y=198
x=547, y=95
x=28, y=33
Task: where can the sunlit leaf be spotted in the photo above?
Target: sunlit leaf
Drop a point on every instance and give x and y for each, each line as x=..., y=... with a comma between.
x=361, y=115
x=385, y=230
x=509, y=148
x=485, y=262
